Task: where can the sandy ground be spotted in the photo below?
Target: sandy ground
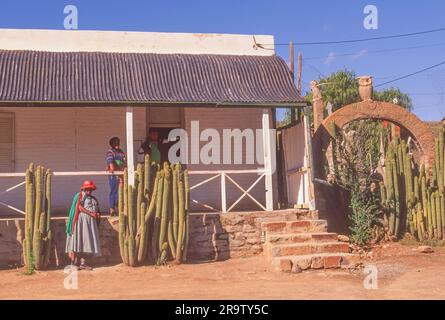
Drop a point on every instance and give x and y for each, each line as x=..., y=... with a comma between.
x=403, y=273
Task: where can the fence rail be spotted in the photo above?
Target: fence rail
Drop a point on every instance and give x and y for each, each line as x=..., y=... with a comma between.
x=223, y=175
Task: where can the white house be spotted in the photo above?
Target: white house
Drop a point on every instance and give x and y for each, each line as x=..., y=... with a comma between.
x=64, y=94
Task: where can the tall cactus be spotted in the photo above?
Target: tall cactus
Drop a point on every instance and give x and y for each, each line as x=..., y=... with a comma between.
x=186, y=212
x=148, y=224
x=175, y=173
x=181, y=222
x=121, y=220
x=38, y=236
x=165, y=206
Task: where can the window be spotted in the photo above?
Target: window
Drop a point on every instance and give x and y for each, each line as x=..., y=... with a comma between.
x=6, y=142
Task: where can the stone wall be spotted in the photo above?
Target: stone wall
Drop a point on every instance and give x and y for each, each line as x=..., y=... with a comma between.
x=212, y=237
x=12, y=233
x=233, y=235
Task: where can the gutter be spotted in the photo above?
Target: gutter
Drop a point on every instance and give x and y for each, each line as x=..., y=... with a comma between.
x=156, y=103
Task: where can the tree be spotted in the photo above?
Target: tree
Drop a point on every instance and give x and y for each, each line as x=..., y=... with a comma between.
x=394, y=95
x=341, y=89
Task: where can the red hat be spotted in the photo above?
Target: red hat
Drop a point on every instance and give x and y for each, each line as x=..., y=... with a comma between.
x=88, y=184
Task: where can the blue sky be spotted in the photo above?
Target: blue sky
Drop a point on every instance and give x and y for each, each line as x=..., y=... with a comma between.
x=299, y=21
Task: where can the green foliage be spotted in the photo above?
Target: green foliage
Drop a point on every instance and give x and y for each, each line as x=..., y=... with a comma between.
x=341, y=89
x=364, y=213
x=394, y=95
x=357, y=153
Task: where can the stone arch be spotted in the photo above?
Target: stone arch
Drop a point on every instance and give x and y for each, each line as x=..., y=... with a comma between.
x=420, y=132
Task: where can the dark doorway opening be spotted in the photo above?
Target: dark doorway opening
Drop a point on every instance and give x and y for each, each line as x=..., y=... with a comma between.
x=163, y=143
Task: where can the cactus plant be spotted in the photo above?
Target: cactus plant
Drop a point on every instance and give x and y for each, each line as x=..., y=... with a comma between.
x=181, y=221
x=414, y=199
x=38, y=235
x=149, y=215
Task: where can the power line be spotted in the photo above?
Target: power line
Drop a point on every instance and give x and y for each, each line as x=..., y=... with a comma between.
x=358, y=40
x=313, y=68
x=411, y=74
x=379, y=51
x=428, y=94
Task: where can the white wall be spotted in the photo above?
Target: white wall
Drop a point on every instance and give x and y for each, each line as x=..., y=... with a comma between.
x=66, y=139
x=219, y=119
x=134, y=42
x=76, y=139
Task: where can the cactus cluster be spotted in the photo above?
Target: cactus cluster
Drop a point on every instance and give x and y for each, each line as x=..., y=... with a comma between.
x=154, y=214
x=38, y=237
x=414, y=199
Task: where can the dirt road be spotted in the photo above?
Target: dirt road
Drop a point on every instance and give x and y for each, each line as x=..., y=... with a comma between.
x=402, y=274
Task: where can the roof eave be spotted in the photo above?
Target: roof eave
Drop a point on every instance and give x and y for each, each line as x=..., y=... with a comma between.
x=231, y=104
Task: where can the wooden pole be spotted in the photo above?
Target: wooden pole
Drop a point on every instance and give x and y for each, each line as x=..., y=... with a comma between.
x=292, y=70
x=292, y=59
x=300, y=64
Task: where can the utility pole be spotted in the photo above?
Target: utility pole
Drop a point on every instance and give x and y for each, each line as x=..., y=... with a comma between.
x=300, y=65
x=292, y=69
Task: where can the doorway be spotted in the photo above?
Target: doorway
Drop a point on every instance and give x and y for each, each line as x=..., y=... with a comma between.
x=163, y=120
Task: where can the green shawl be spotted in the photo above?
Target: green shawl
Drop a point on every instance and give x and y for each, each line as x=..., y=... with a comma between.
x=73, y=210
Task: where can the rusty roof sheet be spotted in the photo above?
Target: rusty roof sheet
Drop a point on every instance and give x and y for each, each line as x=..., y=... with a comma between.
x=39, y=77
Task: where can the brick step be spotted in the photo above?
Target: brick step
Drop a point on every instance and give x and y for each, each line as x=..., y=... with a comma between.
x=298, y=249
x=313, y=261
x=300, y=226
x=279, y=238
x=291, y=215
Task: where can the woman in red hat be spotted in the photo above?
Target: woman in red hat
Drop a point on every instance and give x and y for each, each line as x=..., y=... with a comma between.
x=82, y=230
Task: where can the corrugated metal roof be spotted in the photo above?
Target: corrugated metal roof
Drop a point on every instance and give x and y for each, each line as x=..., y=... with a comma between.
x=35, y=77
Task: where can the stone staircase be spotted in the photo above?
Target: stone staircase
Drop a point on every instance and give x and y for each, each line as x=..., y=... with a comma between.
x=302, y=244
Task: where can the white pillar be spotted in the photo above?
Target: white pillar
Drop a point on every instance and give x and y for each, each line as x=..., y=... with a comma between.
x=309, y=163
x=130, y=147
x=267, y=159
x=223, y=193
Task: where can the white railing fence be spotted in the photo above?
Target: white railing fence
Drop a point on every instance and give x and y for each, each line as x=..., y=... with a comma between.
x=225, y=175
x=58, y=174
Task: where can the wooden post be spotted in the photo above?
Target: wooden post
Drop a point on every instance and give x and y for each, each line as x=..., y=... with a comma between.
x=223, y=193
x=317, y=104
x=300, y=64
x=130, y=147
x=292, y=60
x=267, y=160
x=292, y=70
